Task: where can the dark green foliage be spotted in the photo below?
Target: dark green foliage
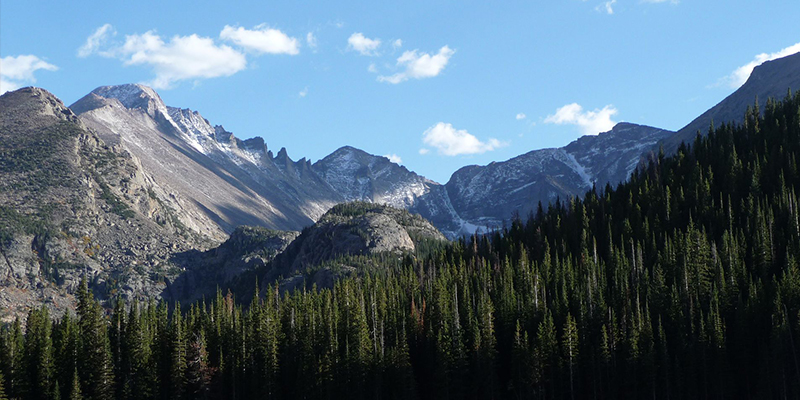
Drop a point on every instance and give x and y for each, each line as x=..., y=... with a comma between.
x=682, y=283
x=2, y=388
x=94, y=360
x=37, y=361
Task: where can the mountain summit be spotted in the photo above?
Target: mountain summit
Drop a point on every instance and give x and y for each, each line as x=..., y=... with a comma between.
x=772, y=79
x=217, y=181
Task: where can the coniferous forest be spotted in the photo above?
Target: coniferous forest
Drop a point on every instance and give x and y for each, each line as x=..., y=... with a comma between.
x=681, y=283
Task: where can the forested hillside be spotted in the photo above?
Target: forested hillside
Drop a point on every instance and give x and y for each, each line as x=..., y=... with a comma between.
x=681, y=283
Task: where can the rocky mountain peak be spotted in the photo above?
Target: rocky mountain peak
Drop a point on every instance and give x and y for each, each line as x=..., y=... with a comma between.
x=780, y=70
x=358, y=175
x=256, y=144
x=33, y=101
x=134, y=95
x=771, y=79
x=354, y=228
x=282, y=160
x=192, y=123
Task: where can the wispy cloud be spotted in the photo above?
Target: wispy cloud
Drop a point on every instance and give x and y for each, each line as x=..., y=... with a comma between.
x=96, y=40
x=364, y=45
x=16, y=71
x=304, y=92
x=606, y=7
x=311, y=40
x=589, y=122
x=261, y=40
x=419, y=65
x=521, y=116
x=739, y=76
x=450, y=141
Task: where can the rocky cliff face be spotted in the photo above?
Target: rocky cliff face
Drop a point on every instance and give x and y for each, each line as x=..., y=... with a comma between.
x=214, y=180
x=348, y=229
x=72, y=206
x=248, y=249
x=359, y=176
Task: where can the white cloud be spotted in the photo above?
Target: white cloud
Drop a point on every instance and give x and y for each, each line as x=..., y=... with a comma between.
x=590, y=122
x=363, y=44
x=449, y=141
x=96, y=40
x=261, y=40
x=521, y=116
x=739, y=76
x=372, y=68
x=606, y=7
x=661, y=1
x=394, y=158
x=397, y=44
x=424, y=151
x=182, y=58
x=419, y=65
x=16, y=71
x=311, y=40
x=304, y=92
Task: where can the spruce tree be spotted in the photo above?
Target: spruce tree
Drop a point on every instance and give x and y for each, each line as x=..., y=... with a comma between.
x=2, y=388
x=570, y=349
x=75, y=388
x=94, y=353
x=177, y=359
x=37, y=356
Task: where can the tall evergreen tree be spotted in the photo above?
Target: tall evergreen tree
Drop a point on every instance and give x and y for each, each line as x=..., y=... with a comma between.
x=94, y=358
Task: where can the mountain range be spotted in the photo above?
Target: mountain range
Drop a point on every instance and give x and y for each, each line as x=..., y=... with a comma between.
x=216, y=181
x=125, y=188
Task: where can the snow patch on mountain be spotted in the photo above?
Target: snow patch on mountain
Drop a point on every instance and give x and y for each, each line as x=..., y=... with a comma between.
x=578, y=169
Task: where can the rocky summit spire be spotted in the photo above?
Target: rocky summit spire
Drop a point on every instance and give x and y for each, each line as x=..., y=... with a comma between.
x=134, y=95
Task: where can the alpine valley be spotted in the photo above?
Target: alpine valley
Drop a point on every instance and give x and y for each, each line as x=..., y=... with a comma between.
x=149, y=200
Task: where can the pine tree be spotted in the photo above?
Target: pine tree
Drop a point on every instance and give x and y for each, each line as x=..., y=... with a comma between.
x=198, y=372
x=570, y=350
x=16, y=346
x=94, y=353
x=75, y=388
x=2, y=388
x=37, y=355
x=177, y=356
x=65, y=345
x=138, y=346
x=546, y=353
x=520, y=364
x=6, y=359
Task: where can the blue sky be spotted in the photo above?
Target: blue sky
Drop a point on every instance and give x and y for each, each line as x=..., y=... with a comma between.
x=448, y=84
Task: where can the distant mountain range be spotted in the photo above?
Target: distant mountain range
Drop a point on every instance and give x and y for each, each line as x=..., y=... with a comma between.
x=123, y=187
x=216, y=181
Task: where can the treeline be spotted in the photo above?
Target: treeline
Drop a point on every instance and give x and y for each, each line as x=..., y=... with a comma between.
x=681, y=283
